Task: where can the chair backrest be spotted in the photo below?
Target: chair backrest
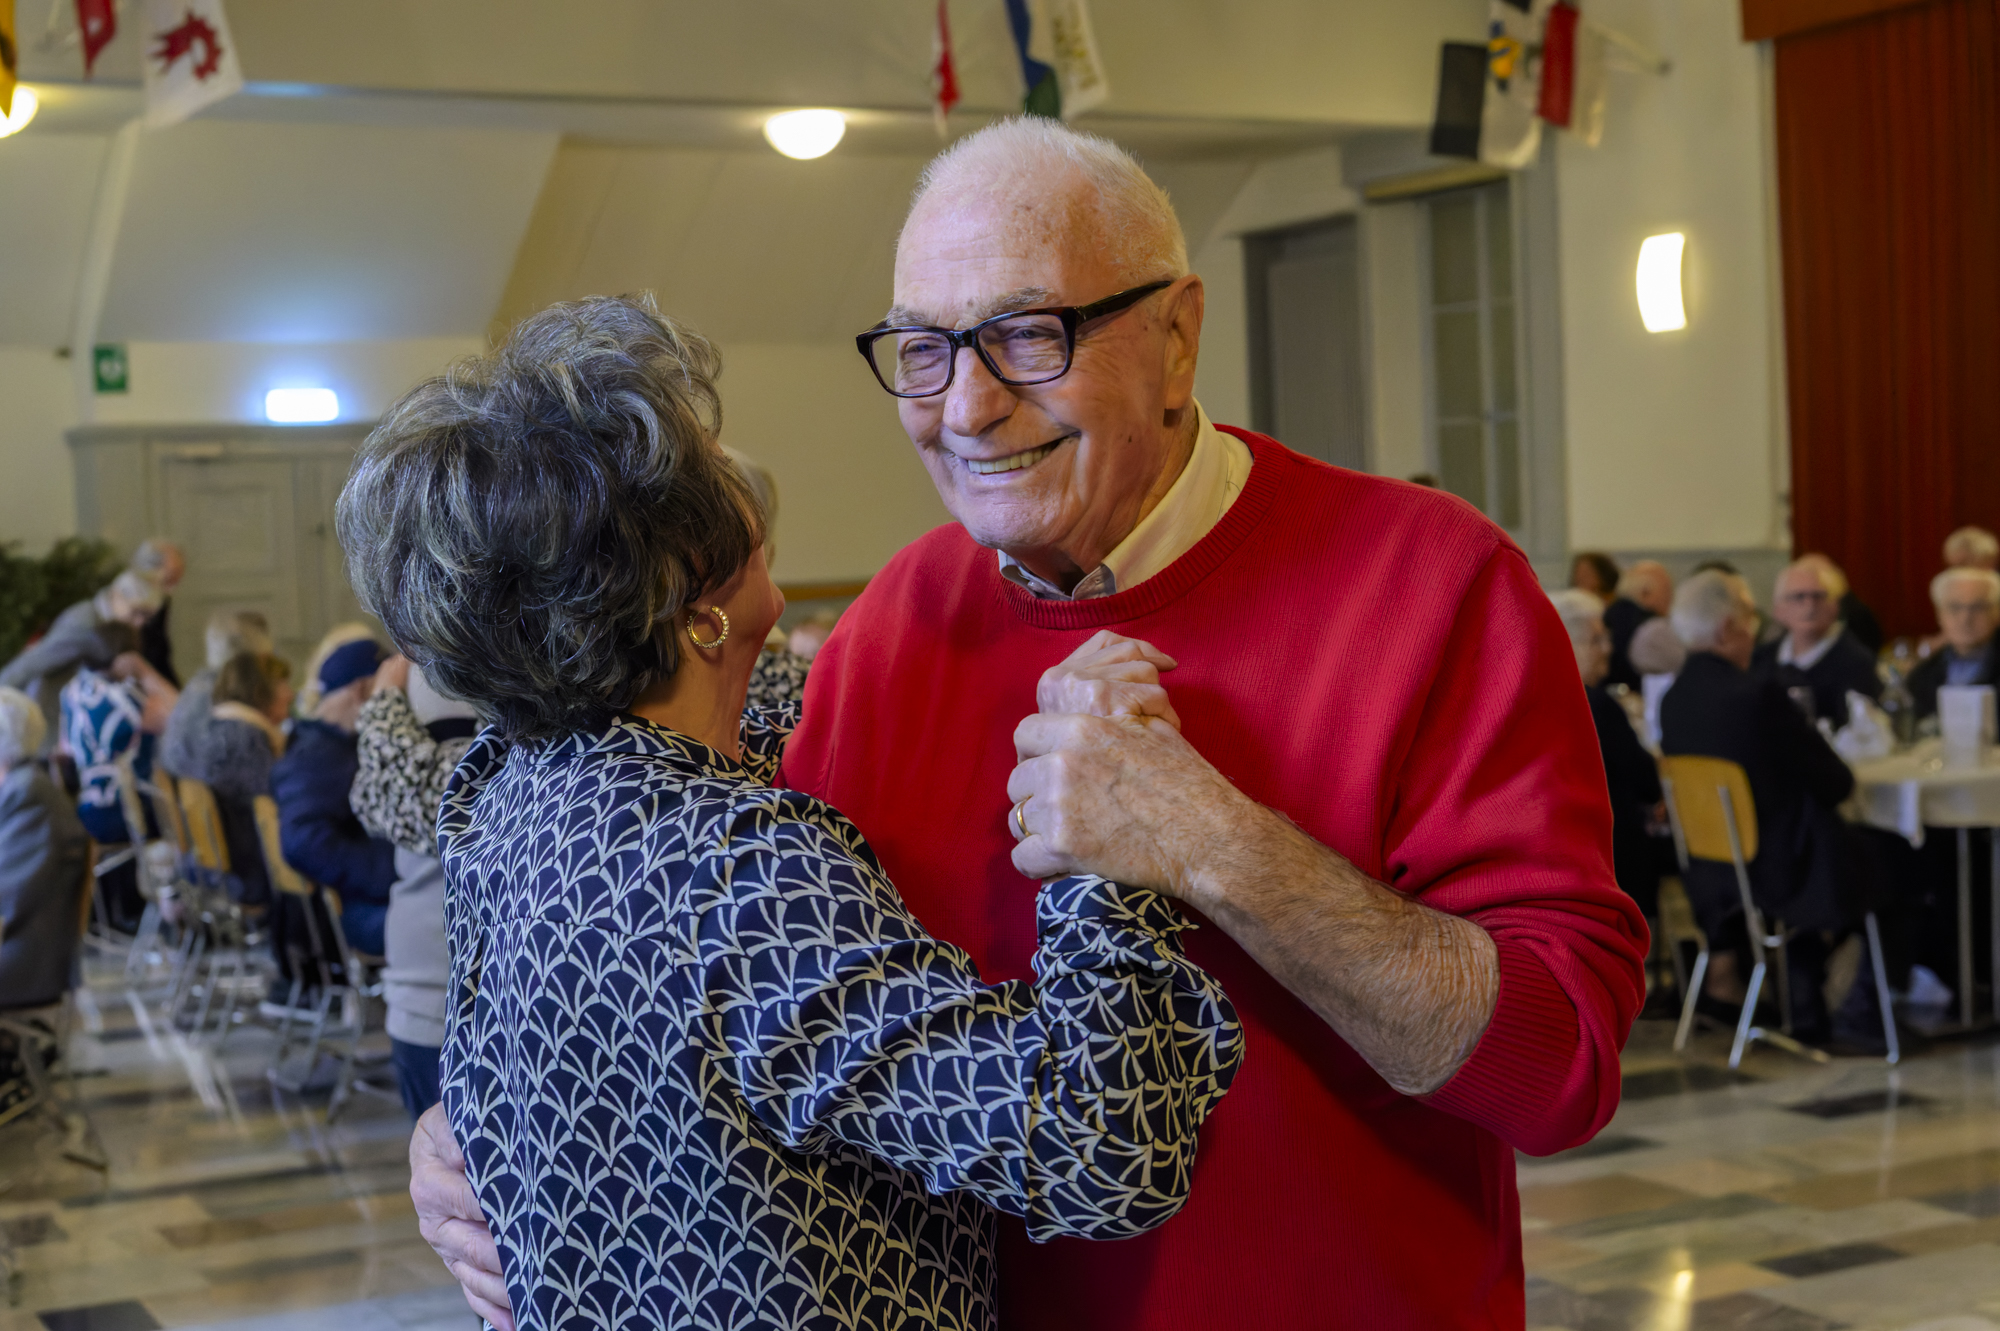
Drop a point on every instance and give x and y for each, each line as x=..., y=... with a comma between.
x=1695, y=794
x=283, y=876
x=160, y=796
x=204, y=825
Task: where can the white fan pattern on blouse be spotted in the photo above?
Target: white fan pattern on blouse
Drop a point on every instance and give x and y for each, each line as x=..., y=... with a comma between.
x=693, y=1025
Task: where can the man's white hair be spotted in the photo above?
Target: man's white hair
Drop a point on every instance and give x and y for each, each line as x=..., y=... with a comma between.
x=1971, y=546
x=1830, y=577
x=22, y=728
x=137, y=591
x=1130, y=214
x=1988, y=580
x=232, y=631
x=1705, y=604
x=1581, y=612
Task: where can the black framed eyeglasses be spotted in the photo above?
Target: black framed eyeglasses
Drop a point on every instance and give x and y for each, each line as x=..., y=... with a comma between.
x=1020, y=347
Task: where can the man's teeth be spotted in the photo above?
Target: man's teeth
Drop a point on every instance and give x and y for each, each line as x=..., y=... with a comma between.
x=1015, y=463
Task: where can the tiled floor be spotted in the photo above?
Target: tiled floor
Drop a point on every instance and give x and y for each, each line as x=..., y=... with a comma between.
x=1789, y=1198
x=1786, y=1198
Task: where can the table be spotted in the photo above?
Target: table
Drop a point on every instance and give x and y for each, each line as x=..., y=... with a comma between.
x=1909, y=791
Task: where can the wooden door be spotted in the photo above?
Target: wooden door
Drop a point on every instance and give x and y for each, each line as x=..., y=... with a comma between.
x=238, y=520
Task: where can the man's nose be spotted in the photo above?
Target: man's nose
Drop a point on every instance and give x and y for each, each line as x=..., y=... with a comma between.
x=976, y=401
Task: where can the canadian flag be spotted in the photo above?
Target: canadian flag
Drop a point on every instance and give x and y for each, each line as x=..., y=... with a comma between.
x=190, y=60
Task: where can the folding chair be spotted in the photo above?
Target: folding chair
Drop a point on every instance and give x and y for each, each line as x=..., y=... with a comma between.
x=1714, y=818
x=218, y=924
x=345, y=976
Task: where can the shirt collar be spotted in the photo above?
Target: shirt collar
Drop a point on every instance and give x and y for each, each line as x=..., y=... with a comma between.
x=1810, y=658
x=1210, y=482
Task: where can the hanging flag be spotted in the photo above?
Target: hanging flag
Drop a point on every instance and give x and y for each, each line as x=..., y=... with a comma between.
x=190, y=60
x=944, y=76
x=10, y=59
x=1487, y=95
x=97, y=21
x=1573, y=84
x=1059, y=60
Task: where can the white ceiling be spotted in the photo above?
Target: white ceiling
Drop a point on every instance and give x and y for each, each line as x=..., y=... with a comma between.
x=393, y=170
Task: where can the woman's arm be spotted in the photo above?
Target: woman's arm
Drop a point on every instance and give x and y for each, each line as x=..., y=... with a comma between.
x=1074, y=1102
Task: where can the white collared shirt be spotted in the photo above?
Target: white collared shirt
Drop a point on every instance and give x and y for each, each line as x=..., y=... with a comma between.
x=1813, y=656
x=1214, y=476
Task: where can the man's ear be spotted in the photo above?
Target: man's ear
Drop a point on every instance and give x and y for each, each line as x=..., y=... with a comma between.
x=1185, y=303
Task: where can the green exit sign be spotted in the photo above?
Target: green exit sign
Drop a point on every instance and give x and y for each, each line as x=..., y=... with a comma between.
x=108, y=365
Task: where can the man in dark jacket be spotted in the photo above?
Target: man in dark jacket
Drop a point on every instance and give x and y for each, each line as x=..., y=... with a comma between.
x=44, y=859
x=1646, y=590
x=1808, y=870
x=162, y=564
x=1968, y=608
x=318, y=831
x=1818, y=652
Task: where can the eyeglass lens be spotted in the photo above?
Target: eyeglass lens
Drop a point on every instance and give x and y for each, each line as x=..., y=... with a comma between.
x=1022, y=349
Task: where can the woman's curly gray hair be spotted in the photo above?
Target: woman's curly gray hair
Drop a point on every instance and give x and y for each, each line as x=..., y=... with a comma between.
x=531, y=525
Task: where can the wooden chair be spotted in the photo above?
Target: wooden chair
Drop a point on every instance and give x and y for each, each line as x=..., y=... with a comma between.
x=1714, y=818
x=220, y=926
x=345, y=976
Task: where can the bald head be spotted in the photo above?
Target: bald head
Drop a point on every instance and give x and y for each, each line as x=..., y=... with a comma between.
x=1648, y=584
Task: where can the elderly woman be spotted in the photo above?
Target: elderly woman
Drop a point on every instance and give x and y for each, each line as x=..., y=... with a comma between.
x=706, y=1068
x=91, y=633
x=44, y=858
x=228, y=633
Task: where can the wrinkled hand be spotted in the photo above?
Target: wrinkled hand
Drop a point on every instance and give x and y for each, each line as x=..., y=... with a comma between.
x=1126, y=797
x=394, y=673
x=449, y=1217
x=1110, y=675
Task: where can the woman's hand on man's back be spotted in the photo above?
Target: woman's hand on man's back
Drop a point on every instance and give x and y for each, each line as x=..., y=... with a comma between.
x=1109, y=675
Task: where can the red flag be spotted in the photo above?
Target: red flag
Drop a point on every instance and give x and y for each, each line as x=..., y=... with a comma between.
x=1559, y=65
x=97, y=20
x=944, y=78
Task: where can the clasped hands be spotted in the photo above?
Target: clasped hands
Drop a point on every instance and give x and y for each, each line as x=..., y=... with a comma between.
x=1105, y=785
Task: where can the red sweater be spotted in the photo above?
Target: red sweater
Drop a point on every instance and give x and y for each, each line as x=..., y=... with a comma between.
x=1376, y=661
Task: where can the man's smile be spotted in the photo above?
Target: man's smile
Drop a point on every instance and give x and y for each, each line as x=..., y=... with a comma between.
x=1014, y=462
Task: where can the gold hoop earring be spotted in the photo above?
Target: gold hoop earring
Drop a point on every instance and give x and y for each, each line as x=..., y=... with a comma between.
x=720, y=638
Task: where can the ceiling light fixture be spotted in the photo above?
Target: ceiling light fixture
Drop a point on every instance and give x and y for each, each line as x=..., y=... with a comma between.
x=804, y=135
x=300, y=406
x=1660, y=307
x=25, y=106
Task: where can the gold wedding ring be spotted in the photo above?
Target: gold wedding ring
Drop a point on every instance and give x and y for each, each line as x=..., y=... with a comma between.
x=1020, y=820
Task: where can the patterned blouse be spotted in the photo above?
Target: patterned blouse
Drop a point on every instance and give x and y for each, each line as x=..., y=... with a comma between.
x=708, y=1071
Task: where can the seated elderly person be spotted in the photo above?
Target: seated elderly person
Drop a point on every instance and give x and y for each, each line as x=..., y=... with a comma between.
x=1630, y=773
x=250, y=702
x=1810, y=871
x=44, y=865
x=90, y=633
x=1968, y=610
x=1594, y=572
x=312, y=782
x=1646, y=590
x=1972, y=547
x=229, y=632
x=110, y=719
x=716, y=1073
x=1817, y=654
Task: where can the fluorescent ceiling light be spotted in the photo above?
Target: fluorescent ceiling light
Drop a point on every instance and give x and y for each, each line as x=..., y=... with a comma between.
x=25, y=106
x=300, y=406
x=805, y=134
x=1660, y=307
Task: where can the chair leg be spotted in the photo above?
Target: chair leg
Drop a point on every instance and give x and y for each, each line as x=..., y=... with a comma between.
x=1784, y=978
x=1743, y=1022
x=1882, y=998
x=1691, y=989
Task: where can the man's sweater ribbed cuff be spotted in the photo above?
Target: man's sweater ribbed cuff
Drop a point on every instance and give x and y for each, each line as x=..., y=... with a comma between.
x=1515, y=1083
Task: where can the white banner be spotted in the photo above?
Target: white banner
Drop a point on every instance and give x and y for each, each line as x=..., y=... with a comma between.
x=190, y=59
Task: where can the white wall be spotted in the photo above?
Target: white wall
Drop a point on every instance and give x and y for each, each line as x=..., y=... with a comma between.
x=38, y=495
x=1673, y=438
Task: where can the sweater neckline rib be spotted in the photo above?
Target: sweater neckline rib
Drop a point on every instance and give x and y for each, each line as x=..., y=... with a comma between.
x=1169, y=584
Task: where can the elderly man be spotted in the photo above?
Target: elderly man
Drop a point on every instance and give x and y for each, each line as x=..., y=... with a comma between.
x=1394, y=831
x=1816, y=652
x=1968, y=610
x=1646, y=590
x=1810, y=870
x=162, y=564
x=90, y=633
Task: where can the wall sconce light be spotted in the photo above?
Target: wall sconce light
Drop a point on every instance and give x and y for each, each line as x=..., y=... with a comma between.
x=804, y=135
x=25, y=106
x=300, y=406
x=1660, y=307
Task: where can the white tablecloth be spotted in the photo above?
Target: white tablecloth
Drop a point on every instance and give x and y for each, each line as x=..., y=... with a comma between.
x=1910, y=791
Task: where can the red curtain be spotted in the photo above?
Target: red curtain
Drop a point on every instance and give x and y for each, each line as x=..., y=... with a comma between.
x=1888, y=134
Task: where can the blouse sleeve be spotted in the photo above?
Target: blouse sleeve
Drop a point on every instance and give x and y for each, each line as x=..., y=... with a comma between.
x=400, y=780
x=1074, y=1102
x=771, y=710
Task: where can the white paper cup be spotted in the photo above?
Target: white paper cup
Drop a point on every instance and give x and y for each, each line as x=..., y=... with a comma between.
x=1965, y=719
